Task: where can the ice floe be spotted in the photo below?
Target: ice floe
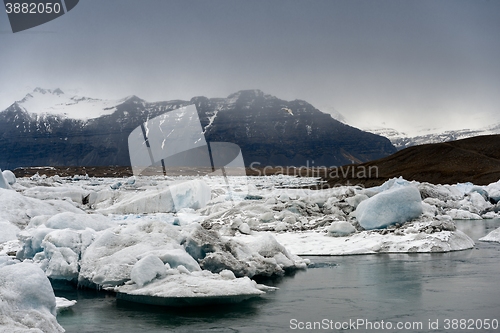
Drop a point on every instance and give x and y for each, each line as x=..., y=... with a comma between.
x=493, y=236
x=63, y=304
x=395, y=205
x=27, y=301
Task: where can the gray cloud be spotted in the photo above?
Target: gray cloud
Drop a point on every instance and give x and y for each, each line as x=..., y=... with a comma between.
x=410, y=64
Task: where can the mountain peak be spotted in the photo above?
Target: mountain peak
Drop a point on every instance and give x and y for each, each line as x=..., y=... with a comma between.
x=133, y=99
x=56, y=91
x=250, y=93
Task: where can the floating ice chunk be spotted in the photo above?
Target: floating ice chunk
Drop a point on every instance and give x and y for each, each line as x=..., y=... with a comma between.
x=356, y=200
x=80, y=177
x=8, y=231
x=493, y=236
x=244, y=228
x=79, y=221
x=396, y=205
x=197, y=288
x=478, y=200
x=116, y=186
x=130, y=180
x=146, y=270
x=6, y=260
x=261, y=256
x=63, y=304
x=192, y=194
x=18, y=209
x=463, y=188
x=341, y=229
x=365, y=242
x=185, y=217
x=436, y=192
x=227, y=275
x=75, y=194
x=108, y=261
x=179, y=257
x=494, y=192
x=459, y=214
x=391, y=183
x=27, y=301
x=31, y=240
x=9, y=177
x=429, y=210
x=4, y=182
x=62, y=263
x=61, y=252
x=490, y=215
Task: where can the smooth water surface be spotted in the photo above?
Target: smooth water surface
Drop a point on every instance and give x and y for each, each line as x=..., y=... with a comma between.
x=406, y=288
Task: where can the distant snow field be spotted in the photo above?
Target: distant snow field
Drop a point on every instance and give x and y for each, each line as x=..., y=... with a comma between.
x=183, y=241
x=56, y=102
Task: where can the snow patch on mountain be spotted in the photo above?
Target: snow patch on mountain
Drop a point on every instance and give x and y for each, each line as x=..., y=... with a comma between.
x=403, y=140
x=55, y=102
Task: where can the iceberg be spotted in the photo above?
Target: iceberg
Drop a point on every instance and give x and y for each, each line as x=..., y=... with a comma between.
x=18, y=209
x=493, y=236
x=341, y=229
x=63, y=304
x=27, y=301
x=192, y=194
x=69, y=220
x=412, y=239
x=147, y=269
x=395, y=205
x=192, y=289
x=8, y=231
x=9, y=177
x=3, y=182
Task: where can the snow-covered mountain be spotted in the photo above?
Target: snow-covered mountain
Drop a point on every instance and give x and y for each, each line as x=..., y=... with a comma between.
x=43, y=102
x=402, y=140
x=50, y=128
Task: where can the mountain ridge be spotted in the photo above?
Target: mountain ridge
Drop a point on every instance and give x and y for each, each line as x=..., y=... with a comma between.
x=402, y=140
x=475, y=159
x=255, y=121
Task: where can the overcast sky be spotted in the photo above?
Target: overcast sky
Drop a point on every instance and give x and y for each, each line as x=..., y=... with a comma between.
x=403, y=64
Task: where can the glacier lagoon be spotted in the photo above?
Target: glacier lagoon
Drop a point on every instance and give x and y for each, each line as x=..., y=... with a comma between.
x=406, y=288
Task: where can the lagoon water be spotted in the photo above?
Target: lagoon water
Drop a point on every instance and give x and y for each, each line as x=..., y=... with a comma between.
x=411, y=289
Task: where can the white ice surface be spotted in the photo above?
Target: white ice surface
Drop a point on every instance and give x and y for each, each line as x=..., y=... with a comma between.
x=493, y=236
x=56, y=102
x=74, y=221
x=395, y=205
x=191, y=194
x=9, y=177
x=147, y=269
x=27, y=301
x=194, y=288
x=368, y=242
x=341, y=228
x=63, y=304
x=19, y=209
x=8, y=231
x=4, y=183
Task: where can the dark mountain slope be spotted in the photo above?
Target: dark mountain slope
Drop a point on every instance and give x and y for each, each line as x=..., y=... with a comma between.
x=475, y=160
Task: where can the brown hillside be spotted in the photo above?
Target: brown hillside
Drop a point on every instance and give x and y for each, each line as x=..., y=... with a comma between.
x=475, y=160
